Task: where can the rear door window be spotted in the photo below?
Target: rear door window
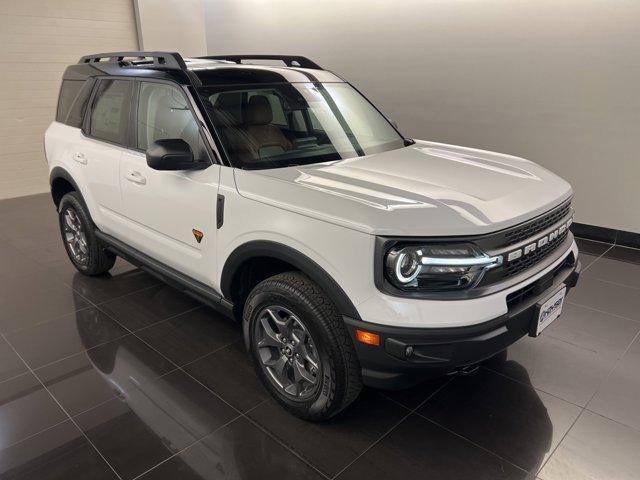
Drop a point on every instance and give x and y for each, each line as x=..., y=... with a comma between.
x=110, y=111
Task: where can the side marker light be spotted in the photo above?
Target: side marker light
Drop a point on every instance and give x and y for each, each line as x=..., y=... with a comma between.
x=368, y=338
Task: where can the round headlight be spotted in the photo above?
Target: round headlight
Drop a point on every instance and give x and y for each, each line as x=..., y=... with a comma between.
x=404, y=265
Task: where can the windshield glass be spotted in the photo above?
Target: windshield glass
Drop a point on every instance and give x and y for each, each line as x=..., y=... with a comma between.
x=270, y=126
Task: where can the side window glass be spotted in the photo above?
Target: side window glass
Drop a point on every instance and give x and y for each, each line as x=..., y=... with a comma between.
x=68, y=93
x=74, y=119
x=163, y=113
x=110, y=111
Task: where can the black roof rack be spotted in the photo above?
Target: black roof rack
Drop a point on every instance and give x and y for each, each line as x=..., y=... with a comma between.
x=166, y=64
x=167, y=60
x=289, y=60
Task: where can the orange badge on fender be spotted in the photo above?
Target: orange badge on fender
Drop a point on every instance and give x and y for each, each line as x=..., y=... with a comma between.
x=198, y=234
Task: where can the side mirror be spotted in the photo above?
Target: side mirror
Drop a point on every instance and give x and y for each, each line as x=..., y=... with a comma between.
x=172, y=154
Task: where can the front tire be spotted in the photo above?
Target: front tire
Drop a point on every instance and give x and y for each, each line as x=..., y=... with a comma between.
x=301, y=349
x=84, y=249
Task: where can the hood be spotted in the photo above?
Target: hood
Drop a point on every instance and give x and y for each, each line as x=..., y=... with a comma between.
x=426, y=189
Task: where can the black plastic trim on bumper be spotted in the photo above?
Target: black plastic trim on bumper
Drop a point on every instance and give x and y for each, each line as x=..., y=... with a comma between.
x=407, y=356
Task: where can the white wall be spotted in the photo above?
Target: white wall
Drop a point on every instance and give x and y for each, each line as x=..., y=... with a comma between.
x=172, y=25
x=38, y=39
x=556, y=81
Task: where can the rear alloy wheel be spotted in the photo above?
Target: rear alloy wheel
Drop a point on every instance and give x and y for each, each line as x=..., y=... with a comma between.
x=75, y=237
x=85, y=251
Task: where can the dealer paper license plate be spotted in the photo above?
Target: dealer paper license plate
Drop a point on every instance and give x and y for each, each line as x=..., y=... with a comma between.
x=549, y=311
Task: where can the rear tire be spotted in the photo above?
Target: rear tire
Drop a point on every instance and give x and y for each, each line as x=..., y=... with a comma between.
x=300, y=347
x=85, y=251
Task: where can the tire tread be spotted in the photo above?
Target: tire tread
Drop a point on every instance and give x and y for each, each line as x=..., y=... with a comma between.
x=300, y=286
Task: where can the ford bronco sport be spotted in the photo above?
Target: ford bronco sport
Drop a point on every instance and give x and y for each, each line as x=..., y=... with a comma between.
x=280, y=195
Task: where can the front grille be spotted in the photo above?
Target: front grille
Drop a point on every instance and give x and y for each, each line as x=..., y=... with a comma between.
x=516, y=266
x=534, y=227
x=539, y=286
x=530, y=230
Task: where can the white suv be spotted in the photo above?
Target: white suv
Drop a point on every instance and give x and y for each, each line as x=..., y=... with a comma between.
x=281, y=196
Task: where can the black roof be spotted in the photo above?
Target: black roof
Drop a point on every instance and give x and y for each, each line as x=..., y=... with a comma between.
x=211, y=70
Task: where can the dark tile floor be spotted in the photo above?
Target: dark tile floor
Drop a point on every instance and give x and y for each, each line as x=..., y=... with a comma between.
x=123, y=377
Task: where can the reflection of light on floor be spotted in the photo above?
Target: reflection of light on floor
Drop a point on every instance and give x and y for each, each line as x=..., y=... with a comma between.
x=116, y=386
x=4, y=438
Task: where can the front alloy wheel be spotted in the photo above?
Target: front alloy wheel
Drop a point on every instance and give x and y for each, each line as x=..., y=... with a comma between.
x=301, y=348
x=287, y=352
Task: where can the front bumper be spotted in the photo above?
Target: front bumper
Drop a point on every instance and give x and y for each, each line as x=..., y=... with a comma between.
x=407, y=356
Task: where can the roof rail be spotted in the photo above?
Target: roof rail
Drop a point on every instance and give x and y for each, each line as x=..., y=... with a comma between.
x=289, y=60
x=168, y=60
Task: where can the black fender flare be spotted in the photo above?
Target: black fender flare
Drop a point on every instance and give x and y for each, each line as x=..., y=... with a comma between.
x=59, y=172
x=278, y=251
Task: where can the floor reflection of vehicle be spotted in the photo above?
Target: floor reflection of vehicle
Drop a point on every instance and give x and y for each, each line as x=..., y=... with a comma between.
x=169, y=412
x=524, y=427
x=512, y=417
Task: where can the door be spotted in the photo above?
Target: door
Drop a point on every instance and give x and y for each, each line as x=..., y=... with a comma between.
x=96, y=156
x=170, y=215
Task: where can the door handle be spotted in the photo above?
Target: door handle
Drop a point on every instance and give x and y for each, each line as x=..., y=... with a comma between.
x=80, y=158
x=136, y=177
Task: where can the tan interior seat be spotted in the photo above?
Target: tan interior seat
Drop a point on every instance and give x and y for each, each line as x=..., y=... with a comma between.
x=265, y=139
x=227, y=117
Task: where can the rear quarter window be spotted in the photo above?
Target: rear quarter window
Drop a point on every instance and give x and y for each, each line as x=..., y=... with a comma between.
x=72, y=102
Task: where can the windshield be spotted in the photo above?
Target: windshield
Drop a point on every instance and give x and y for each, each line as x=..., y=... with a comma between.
x=289, y=124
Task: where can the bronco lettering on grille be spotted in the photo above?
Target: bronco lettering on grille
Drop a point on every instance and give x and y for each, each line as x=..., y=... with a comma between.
x=539, y=242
